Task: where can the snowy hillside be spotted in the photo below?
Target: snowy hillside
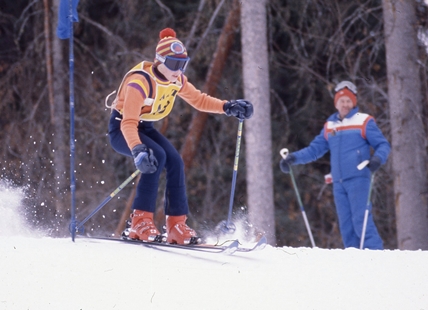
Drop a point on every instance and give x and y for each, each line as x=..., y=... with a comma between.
x=44, y=273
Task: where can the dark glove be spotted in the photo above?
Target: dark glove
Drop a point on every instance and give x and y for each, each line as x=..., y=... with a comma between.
x=144, y=159
x=240, y=108
x=285, y=163
x=374, y=163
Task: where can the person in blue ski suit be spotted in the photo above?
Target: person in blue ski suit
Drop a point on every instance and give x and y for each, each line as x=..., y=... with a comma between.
x=349, y=136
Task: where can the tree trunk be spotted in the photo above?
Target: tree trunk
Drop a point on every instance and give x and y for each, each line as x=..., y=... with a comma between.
x=407, y=129
x=199, y=119
x=258, y=129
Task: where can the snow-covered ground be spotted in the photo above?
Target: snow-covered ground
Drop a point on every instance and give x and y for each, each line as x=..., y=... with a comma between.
x=38, y=272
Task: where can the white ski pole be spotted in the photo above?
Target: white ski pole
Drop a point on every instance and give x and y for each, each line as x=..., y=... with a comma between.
x=366, y=213
x=284, y=154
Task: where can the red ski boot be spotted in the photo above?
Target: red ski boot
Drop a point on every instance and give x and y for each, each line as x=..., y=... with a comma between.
x=142, y=227
x=178, y=232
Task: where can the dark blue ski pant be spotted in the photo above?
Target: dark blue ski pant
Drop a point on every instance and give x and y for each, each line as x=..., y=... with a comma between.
x=168, y=158
x=350, y=197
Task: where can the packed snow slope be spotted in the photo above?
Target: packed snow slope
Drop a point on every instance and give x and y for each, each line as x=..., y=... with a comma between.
x=39, y=272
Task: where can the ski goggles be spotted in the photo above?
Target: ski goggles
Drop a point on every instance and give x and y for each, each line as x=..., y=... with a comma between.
x=348, y=85
x=174, y=63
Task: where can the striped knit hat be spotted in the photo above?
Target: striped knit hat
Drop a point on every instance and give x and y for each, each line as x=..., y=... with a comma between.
x=169, y=45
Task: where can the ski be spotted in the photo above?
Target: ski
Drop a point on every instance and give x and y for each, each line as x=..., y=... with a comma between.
x=228, y=249
x=211, y=248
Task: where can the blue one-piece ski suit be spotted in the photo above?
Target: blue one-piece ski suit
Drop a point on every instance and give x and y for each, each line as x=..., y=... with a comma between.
x=349, y=141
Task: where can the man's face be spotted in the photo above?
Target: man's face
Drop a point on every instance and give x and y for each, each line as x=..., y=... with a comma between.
x=344, y=105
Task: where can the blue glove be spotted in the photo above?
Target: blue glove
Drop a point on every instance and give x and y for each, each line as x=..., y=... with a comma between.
x=240, y=108
x=144, y=159
x=374, y=163
x=285, y=163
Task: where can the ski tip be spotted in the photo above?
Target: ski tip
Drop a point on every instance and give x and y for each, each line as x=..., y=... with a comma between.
x=262, y=243
x=232, y=248
x=263, y=239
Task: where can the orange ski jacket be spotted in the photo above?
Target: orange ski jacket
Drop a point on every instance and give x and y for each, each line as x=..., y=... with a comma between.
x=143, y=95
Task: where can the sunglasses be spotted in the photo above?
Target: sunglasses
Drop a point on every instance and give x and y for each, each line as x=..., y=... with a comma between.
x=174, y=63
x=346, y=84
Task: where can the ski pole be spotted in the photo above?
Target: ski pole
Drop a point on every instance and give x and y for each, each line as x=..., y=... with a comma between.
x=114, y=193
x=227, y=226
x=366, y=213
x=284, y=154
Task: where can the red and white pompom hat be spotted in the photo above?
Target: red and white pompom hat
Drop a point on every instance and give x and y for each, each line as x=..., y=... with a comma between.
x=169, y=45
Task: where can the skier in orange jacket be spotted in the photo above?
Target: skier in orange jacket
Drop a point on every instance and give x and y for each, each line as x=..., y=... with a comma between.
x=147, y=94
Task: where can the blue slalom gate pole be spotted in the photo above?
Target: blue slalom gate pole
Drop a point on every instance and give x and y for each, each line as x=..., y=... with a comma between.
x=72, y=145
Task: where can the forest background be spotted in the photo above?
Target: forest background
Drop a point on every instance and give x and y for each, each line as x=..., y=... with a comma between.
x=312, y=45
